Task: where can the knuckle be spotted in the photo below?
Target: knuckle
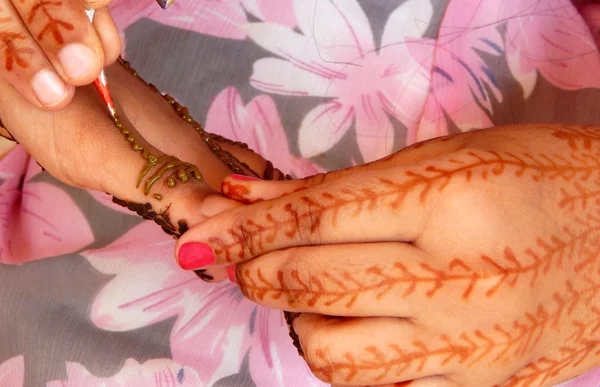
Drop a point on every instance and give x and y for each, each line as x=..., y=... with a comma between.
x=243, y=236
x=300, y=281
x=306, y=215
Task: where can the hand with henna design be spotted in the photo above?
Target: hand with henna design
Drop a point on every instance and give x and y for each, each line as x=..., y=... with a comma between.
x=163, y=175
x=49, y=47
x=471, y=260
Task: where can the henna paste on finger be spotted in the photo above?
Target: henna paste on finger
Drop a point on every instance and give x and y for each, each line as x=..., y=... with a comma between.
x=227, y=158
x=12, y=54
x=53, y=25
x=162, y=219
x=571, y=168
x=289, y=318
x=211, y=139
x=182, y=170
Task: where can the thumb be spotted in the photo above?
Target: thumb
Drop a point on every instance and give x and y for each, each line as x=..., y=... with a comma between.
x=249, y=190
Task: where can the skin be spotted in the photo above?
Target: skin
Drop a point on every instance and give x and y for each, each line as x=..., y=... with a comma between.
x=33, y=33
x=103, y=157
x=470, y=260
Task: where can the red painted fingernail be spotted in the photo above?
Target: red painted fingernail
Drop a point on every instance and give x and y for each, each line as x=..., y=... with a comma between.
x=244, y=178
x=231, y=273
x=195, y=255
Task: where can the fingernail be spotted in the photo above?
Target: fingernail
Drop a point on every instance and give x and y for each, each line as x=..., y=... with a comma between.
x=244, y=178
x=195, y=255
x=231, y=273
x=48, y=87
x=76, y=60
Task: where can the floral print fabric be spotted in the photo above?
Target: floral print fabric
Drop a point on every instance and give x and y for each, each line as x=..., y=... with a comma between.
x=98, y=299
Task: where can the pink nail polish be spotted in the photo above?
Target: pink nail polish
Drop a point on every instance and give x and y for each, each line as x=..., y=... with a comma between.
x=195, y=255
x=244, y=178
x=231, y=273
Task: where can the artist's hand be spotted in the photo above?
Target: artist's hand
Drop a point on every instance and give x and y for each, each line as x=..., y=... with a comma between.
x=465, y=261
x=50, y=46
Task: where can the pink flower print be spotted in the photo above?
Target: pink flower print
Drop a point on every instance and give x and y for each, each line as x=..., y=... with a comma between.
x=214, y=326
x=551, y=38
x=542, y=37
x=335, y=57
x=462, y=83
x=272, y=343
x=153, y=373
x=589, y=379
x=37, y=219
x=222, y=18
x=12, y=372
x=258, y=125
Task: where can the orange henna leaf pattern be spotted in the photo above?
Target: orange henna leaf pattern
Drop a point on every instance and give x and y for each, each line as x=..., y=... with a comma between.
x=238, y=192
x=306, y=213
x=53, y=25
x=471, y=348
x=543, y=369
x=330, y=288
x=12, y=54
x=580, y=194
x=578, y=137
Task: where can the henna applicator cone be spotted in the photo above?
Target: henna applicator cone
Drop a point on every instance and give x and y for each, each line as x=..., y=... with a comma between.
x=101, y=83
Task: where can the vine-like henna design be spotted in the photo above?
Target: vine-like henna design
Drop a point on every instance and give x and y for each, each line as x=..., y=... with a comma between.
x=469, y=349
x=570, y=246
x=162, y=219
x=393, y=194
x=227, y=158
x=331, y=289
x=182, y=171
x=541, y=370
x=14, y=55
x=53, y=25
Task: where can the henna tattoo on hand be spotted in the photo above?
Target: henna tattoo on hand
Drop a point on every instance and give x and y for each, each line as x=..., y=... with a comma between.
x=577, y=245
x=162, y=219
x=211, y=139
x=53, y=25
x=227, y=158
x=182, y=173
x=579, y=166
x=470, y=349
x=545, y=368
x=14, y=55
x=183, y=170
x=331, y=288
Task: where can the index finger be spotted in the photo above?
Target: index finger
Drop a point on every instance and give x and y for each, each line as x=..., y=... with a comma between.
x=369, y=207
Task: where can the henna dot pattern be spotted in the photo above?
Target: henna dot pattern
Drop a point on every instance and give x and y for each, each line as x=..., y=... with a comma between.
x=183, y=170
x=211, y=140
